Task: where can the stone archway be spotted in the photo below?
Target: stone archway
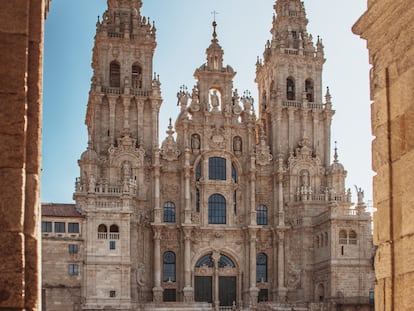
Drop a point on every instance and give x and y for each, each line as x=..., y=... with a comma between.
x=216, y=279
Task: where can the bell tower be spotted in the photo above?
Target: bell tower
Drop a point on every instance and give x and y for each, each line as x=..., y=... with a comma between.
x=122, y=121
x=289, y=79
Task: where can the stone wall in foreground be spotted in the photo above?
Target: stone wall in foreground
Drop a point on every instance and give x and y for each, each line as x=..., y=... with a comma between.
x=388, y=27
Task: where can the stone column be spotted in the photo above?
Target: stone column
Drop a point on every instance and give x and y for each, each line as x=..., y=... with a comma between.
x=281, y=289
x=157, y=173
x=253, y=220
x=187, y=190
x=328, y=122
x=127, y=103
x=188, y=290
x=21, y=50
x=157, y=290
x=253, y=290
x=291, y=113
x=216, y=294
x=112, y=104
x=315, y=131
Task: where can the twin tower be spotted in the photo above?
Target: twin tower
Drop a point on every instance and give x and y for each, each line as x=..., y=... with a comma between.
x=238, y=208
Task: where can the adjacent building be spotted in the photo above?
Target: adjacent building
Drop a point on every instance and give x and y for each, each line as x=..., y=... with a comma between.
x=236, y=209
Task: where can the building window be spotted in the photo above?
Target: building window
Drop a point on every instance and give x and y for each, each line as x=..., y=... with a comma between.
x=112, y=293
x=216, y=209
x=261, y=268
x=114, y=232
x=73, y=248
x=233, y=173
x=198, y=172
x=73, y=227
x=309, y=90
x=169, y=267
x=261, y=215
x=326, y=239
x=352, y=237
x=197, y=200
x=263, y=295
x=343, y=237
x=73, y=269
x=46, y=226
x=225, y=261
x=102, y=232
x=290, y=89
x=169, y=295
x=217, y=168
x=206, y=260
x=136, y=79
x=60, y=227
x=114, y=74
x=169, y=212
x=112, y=245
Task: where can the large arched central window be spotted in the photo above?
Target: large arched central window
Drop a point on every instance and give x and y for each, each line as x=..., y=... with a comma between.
x=217, y=168
x=216, y=209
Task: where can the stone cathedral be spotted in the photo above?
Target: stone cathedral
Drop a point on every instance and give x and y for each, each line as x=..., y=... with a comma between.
x=235, y=209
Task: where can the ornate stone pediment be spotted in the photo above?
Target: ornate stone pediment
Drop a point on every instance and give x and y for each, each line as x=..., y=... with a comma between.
x=303, y=154
x=217, y=138
x=127, y=145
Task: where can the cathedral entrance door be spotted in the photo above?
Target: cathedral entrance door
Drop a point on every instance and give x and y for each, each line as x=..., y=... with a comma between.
x=227, y=290
x=203, y=289
x=215, y=280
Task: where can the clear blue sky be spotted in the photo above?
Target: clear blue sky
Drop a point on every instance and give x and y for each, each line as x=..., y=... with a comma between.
x=184, y=32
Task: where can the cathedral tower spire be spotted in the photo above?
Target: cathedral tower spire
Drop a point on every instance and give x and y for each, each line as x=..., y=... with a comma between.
x=290, y=84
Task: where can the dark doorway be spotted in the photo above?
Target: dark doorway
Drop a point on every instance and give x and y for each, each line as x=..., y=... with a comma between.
x=227, y=290
x=203, y=289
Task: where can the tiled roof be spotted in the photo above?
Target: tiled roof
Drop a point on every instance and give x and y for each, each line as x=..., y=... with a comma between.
x=60, y=210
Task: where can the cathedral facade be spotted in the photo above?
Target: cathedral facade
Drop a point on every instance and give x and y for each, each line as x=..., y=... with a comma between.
x=236, y=209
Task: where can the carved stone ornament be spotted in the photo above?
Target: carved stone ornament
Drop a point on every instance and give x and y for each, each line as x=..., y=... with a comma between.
x=303, y=154
x=263, y=155
x=293, y=279
x=169, y=147
x=217, y=139
x=127, y=144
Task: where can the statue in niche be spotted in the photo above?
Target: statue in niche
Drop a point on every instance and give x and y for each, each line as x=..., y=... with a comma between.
x=126, y=171
x=214, y=99
x=237, y=145
x=195, y=142
x=305, y=178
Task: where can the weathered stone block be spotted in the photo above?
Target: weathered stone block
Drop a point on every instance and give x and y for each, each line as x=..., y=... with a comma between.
x=11, y=203
x=12, y=15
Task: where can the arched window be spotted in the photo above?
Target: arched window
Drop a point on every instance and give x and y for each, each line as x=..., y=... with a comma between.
x=290, y=89
x=169, y=212
x=205, y=261
x=114, y=74
x=320, y=293
x=309, y=90
x=216, y=209
x=136, y=79
x=102, y=228
x=343, y=237
x=326, y=239
x=225, y=261
x=169, y=267
x=102, y=232
x=352, y=237
x=261, y=267
x=217, y=168
x=261, y=215
x=113, y=228
x=235, y=202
